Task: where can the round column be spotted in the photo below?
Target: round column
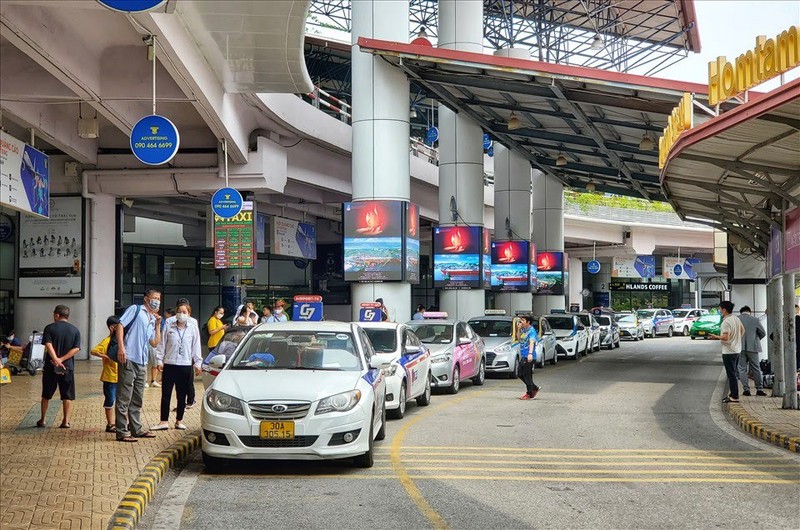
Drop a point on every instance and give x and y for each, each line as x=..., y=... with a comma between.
x=547, y=213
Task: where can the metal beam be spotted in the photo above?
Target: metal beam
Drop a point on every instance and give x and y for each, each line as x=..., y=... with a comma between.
x=736, y=166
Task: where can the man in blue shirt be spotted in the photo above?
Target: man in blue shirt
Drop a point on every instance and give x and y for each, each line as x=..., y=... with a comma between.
x=527, y=351
x=139, y=329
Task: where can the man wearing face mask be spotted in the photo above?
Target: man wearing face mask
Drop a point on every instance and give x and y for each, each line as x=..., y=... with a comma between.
x=277, y=314
x=140, y=328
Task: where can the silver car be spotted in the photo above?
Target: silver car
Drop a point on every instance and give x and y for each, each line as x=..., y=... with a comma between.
x=593, y=328
x=502, y=350
x=609, y=332
x=630, y=327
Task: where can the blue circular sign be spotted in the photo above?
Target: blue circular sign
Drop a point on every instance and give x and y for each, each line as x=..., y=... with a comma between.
x=487, y=142
x=155, y=140
x=226, y=203
x=132, y=6
x=678, y=270
x=490, y=151
x=593, y=266
x=432, y=136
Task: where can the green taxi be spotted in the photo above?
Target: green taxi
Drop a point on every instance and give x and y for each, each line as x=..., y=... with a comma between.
x=705, y=326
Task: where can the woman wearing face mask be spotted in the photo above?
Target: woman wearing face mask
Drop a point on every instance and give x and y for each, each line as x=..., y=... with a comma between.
x=216, y=329
x=180, y=357
x=277, y=313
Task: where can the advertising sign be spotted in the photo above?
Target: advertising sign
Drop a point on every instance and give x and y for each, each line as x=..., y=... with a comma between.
x=486, y=262
x=412, y=243
x=226, y=203
x=370, y=312
x=155, y=140
x=593, y=267
x=791, y=254
x=510, y=262
x=132, y=6
x=679, y=268
x=307, y=307
x=457, y=257
x=373, y=241
x=293, y=238
x=533, y=269
x=24, y=177
x=550, y=273
x=623, y=286
x=633, y=267
x=234, y=240
x=51, y=251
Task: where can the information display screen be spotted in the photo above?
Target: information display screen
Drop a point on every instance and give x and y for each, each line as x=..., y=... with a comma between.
x=486, y=265
x=373, y=241
x=534, y=268
x=510, y=266
x=550, y=273
x=412, y=243
x=234, y=240
x=457, y=257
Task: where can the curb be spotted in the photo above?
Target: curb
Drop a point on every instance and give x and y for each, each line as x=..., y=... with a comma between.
x=140, y=493
x=747, y=423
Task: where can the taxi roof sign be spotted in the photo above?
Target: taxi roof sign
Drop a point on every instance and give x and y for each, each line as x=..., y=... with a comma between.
x=372, y=305
x=495, y=312
x=434, y=315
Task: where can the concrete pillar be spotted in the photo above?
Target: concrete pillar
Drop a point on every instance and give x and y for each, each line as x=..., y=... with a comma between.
x=789, y=344
x=101, y=278
x=548, y=229
x=512, y=201
x=381, y=132
x=775, y=330
x=576, y=282
x=460, y=148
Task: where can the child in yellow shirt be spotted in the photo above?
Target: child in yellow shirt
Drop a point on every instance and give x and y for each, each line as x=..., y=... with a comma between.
x=109, y=374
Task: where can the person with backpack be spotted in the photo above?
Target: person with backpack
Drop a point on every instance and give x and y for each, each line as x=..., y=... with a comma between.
x=215, y=328
x=109, y=374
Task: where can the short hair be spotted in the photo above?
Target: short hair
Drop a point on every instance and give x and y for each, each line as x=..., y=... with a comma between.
x=181, y=301
x=727, y=306
x=151, y=292
x=62, y=311
x=113, y=320
x=745, y=309
x=420, y=307
x=268, y=308
x=527, y=318
x=184, y=304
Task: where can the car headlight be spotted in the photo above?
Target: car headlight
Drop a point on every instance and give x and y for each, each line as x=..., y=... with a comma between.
x=222, y=402
x=568, y=338
x=504, y=348
x=441, y=358
x=339, y=402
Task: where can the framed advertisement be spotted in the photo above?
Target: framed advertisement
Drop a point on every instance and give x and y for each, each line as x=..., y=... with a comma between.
x=633, y=267
x=293, y=238
x=373, y=241
x=550, y=273
x=457, y=257
x=24, y=177
x=51, y=251
x=510, y=266
x=234, y=240
x=412, y=243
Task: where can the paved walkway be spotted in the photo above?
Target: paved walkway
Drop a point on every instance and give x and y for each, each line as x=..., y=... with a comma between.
x=764, y=418
x=70, y=478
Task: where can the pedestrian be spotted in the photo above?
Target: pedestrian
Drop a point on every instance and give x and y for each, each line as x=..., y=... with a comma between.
x=192, y=322
x=244, y=318
x=143, y=324
x=420, y=314
x=528, y=341
x=384, y=310
x=179, y=360
x=216, y=329
x=730, y=335
x=109, y=374
x=152, y=359
x=266, y=312
x=251, y=312
x=11, y=339
x=751, y=347
x=62, y=341
x=278, y=314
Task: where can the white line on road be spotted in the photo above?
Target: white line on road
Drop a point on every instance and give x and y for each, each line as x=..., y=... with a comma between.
x=170, y=512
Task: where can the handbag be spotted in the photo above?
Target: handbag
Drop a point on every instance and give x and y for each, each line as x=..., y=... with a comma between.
x=112, y=351
x=5, y=376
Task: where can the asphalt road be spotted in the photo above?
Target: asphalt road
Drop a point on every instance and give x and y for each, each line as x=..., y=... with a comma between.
x=629, y=438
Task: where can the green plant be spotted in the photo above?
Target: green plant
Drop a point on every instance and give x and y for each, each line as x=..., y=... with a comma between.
x=586, y=200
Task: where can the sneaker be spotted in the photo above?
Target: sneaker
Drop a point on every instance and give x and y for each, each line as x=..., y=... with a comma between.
x=535, y=392
x=524, y=397
x=163, y=426
x=746, y=393
x=180, y=426
x=191, y=405
x=146, y=384
x=155, y=384
x=761, y=393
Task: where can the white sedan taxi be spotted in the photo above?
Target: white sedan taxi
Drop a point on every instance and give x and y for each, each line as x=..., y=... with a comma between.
x=406, y=362
x=296, y=390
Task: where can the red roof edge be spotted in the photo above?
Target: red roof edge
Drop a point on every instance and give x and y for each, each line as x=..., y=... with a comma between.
x=689, y=19
x=594, y=74
x=747, y=111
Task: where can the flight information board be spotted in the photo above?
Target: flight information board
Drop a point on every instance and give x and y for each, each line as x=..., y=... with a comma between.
x=234, y=241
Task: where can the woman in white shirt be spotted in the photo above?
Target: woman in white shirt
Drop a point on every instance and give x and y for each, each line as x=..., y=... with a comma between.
x=246, y=317
x=179, y=360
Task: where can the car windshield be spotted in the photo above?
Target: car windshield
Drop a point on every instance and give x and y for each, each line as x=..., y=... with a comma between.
x=228, y=344
x=430, y=333
x=585, y=320
x=604, y=321
x=710, y=318
x=297, y=350
x=625, y=318
x=646, y=313
x=680, y=313
x=560, y=322
x=491, y=328
x=383, y=340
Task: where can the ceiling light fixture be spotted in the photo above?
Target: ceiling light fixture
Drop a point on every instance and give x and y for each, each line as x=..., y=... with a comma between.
x=597, y=42
x=514, y=122
x=413, y=113
x=647, y=143
x=561, y=160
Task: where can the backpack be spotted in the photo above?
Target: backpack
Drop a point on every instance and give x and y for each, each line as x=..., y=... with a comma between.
x=204, y=334
x=113, y=346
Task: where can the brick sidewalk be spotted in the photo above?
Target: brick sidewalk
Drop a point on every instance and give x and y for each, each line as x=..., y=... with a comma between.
x=70, y=478
x=764, y=418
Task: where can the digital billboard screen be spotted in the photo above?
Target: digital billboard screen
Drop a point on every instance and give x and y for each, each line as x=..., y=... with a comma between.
x=510, y=264
x=533, y=270
x=457, y=257
x=486, y=270
x=373, y=241
x=550, y=273
x=412, y=243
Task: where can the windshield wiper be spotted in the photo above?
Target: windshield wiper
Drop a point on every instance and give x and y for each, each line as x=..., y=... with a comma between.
x=318, y=368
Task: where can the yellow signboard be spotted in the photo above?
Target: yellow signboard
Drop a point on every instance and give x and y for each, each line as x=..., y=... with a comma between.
x=679, y=121
x=769, y=58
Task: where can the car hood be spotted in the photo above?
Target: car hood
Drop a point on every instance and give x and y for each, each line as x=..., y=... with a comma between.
x=493, y=342
x=301, y=385
x=706, y=325
x=386, y=358
x=627, y=325
x=439, y=348
x=563, y=333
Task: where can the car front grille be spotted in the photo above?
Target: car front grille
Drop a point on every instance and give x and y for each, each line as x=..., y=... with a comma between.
x=490, y=358
x=297, y=441
x=294, y=411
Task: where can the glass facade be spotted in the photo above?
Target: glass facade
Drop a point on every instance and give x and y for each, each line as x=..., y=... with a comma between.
x=8, y=283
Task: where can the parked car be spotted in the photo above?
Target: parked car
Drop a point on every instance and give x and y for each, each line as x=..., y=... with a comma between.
x=609, y=332
x=706, y=325
x=226, y=346
x=458, y=353
x=630, y=327
x=298, y=390
x=502, y=348
x=593, y=329
x=657, y=322
x=572, y=337
x=406, y=362
x=684, y=318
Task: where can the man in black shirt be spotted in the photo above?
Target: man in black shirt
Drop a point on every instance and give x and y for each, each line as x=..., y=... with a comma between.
x=62, y=341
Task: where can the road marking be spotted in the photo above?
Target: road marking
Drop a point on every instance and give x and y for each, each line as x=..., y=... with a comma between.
x=570, y=450
x=732, y=465
x=170, y=513
x=608, y=471
x=604, y=457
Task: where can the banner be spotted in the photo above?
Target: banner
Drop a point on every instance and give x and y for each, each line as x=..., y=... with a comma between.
x=634, y=267
x=51, y=251
x=791, y=255
x=293, y=238
x=24, y=177
x=234, y=240
x=679, y=268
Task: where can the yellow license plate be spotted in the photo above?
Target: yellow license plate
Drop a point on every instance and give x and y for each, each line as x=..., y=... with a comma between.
x=277, y=430
x=701, y=332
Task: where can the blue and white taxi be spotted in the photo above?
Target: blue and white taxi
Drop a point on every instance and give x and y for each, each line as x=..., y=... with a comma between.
x=573, y=338
x=500, y=336
x=406, y=363
x=296, y=390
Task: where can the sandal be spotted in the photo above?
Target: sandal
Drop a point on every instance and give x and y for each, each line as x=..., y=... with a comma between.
x=730, y=400
x=111, y=428
x=64, y=426
x=147, y=434
x=128, y=439
x=40, y=424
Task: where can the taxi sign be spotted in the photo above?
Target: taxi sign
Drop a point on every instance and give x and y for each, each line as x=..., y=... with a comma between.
x=307, y=308
x=370, y=313
x=494, y=312
x=434, y=315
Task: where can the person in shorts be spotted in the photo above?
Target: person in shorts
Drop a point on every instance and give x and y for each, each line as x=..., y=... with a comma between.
x=109, y=374
x=62, y=341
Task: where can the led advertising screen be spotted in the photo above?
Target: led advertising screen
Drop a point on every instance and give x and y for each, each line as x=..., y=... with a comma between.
x=457, y=257
x=533, y=269
x=412, y=243
x=486, y=271
x=373, y=241
x=510, y=263
x=550, y=273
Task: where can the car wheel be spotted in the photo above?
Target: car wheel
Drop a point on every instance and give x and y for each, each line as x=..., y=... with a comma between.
x=400, y=411
x=540, y=364
x=425, y=399
x=453, y=389
x=685, y=331
x=213, y=464
x=618, y=343
x=479, y=379
x=382, y=431
x=670, y=331
x=367, y=459
x=554, y=360
x=586, y=350
x=693, y=337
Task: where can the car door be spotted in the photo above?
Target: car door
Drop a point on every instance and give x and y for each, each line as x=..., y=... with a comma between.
x=413, y=363
x=548, y=339
x=466, y=351
x=373, y=376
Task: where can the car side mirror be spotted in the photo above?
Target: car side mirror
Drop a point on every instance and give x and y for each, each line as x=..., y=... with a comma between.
x=411, y=350
x=463, y=341
x=582, y=328
x=218, y=362
x=375, y=365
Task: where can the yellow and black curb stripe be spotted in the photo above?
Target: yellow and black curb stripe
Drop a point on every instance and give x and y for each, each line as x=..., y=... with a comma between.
x=139, y=495
x=747, y=423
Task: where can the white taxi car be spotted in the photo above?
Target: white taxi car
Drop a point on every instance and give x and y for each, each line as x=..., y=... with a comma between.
x=406, y=362
x=296, y=390
x=573, y=338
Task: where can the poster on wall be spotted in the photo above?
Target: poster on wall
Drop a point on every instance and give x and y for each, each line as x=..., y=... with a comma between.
x=373, y=241
x=550, y=273
x=792, y=242
x=234, y=240
x=412, y=243
x=457, y=257
x=633, y=267
x=293, y=238
x=679, y=268
x=51, y=253
x=24, y=177
x=510, y=266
